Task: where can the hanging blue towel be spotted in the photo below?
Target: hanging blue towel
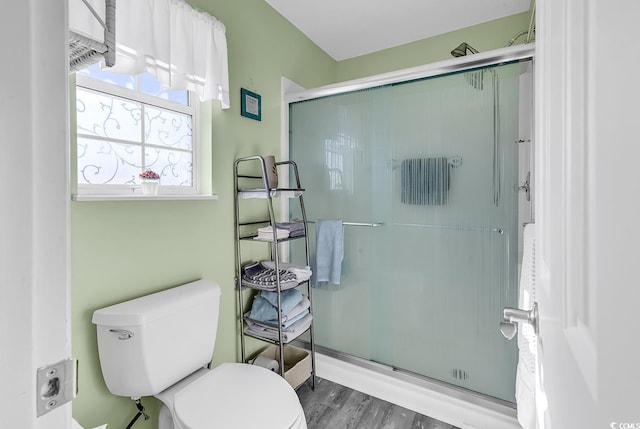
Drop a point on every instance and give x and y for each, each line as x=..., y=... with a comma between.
x=329, y=250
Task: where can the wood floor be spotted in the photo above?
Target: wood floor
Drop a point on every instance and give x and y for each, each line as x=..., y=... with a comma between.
x=333, y=406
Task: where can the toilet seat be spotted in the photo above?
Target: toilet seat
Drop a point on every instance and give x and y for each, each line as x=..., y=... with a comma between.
x=239, y=396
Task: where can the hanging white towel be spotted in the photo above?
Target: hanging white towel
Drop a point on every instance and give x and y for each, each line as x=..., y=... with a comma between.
x=527, y=341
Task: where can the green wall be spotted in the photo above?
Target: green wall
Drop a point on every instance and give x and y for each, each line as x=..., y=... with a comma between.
x=121, y=250
x=483, y=37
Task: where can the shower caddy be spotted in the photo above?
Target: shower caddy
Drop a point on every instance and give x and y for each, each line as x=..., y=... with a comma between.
x=246, y=231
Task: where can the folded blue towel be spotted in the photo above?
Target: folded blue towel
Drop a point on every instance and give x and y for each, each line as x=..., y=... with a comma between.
x=288, y=299
x=329, y=250
x=286, y=324
x=264, y=304
x=262, y=310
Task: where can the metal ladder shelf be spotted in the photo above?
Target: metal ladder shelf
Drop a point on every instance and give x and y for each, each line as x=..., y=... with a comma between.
x=263, y=192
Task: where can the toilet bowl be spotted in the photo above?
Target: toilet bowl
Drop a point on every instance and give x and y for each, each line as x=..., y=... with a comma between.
x=160, y=344
x=237, y=396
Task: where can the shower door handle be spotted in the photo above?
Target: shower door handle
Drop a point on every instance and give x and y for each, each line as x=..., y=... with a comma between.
x=512, y=316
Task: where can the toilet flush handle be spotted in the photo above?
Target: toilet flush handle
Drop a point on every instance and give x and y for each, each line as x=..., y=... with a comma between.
x=123, y=334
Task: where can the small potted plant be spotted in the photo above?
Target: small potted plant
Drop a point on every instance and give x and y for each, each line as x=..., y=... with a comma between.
x=150, y=180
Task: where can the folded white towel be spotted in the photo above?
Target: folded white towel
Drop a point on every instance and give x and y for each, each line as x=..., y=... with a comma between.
x=266, y=233
x=301, y=273
x=269, y=229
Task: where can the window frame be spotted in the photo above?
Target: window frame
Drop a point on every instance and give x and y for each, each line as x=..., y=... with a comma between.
x=136, y=96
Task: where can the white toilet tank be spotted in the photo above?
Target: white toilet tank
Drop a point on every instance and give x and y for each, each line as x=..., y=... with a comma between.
x=150, y=343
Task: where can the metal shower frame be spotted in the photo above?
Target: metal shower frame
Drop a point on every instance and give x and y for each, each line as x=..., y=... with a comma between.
x=461, y=64
x=440, y=68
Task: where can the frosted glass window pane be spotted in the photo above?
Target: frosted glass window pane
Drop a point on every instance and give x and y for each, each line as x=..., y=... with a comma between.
x=132, y=126
x=175, y=167
x=107, y=116
x=167, y=128
x=103, y=162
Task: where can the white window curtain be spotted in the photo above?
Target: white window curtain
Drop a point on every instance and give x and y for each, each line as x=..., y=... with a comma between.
x=183, y=48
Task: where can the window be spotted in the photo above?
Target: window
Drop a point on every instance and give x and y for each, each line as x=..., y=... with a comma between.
x=127, y=124
x=339, y=155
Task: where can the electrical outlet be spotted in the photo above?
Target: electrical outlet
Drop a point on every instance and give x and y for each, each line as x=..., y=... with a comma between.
x=56, y=385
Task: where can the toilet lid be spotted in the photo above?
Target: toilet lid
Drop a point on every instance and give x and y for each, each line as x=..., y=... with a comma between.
x=235, y=395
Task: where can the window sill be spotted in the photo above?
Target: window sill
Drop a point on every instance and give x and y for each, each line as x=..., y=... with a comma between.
x=140, y=197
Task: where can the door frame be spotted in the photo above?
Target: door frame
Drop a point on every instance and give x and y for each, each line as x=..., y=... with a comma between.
x=587, y=214
x=34, y=267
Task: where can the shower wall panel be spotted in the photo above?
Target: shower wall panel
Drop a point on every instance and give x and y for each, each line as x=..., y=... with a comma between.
x=424, y=291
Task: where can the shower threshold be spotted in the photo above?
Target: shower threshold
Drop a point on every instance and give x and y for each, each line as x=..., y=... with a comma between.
x=455, y=405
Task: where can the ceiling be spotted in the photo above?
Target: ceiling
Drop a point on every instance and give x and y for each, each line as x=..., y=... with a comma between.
x=350, y=28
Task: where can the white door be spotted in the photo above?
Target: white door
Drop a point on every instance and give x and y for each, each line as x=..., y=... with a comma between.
x=587, y=213
x=34, y=215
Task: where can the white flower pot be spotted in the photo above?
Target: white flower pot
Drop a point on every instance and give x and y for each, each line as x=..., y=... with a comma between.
x=150, y=186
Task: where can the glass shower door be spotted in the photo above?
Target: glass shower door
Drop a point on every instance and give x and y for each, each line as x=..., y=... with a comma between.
x=424, y=175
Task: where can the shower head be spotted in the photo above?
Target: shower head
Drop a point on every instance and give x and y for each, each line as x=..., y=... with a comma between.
x=462, y=49
x=476, y=79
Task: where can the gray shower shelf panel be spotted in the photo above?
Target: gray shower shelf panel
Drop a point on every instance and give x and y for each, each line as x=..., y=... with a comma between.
x=262, y=193
x=253, y=222
x=271, y=288
x=253, y=237
x=259, y=322
x=241, y=189
x=266, y=340
x=271, y=340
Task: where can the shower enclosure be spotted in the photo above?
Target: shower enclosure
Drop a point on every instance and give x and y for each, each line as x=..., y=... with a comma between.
x=427, y=176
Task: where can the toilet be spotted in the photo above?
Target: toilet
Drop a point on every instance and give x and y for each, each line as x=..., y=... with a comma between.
x=160, y=345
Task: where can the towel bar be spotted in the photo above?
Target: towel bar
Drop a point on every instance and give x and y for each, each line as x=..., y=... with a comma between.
x=367, y=224
x=458, y=228
x=453, y=227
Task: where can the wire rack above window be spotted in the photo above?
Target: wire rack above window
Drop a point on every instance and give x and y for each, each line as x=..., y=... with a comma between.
x=84, y=51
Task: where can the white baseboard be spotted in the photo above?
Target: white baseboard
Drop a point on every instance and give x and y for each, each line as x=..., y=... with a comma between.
x=449, y=409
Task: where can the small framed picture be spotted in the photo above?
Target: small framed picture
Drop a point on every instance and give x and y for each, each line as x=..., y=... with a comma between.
x=251, y=104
